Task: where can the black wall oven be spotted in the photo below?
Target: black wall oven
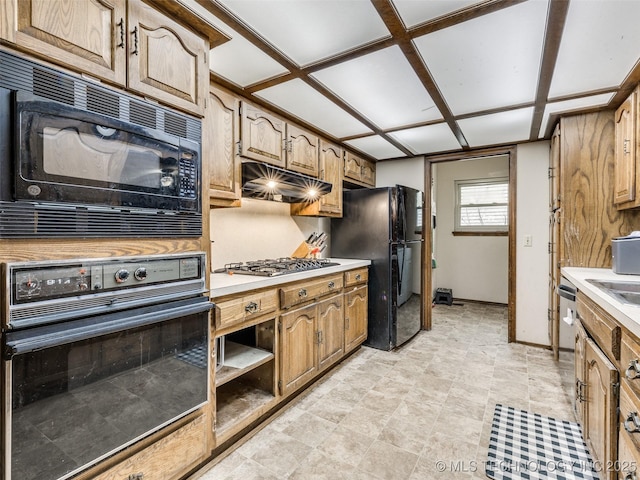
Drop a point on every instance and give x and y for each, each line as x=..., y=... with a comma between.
x=97, y=355
x=81, y=160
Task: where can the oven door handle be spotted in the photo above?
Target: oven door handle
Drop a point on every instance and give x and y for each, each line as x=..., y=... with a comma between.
x=39, y=338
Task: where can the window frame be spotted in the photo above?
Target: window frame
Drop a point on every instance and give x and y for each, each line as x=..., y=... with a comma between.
x=480, y=229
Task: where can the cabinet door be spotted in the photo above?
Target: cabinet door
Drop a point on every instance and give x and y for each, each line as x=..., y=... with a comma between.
x=330, y=331
x=298, y=348
x=89, y=36
x=182, y=77
x=302, y=151
x=263, y=136
x=331, y=171
x=601, y=378
x=355, y=317
x=579, y=363
x=368, y=174
x=625, y=151
x=554, y=230
x=352, y=167
x=219, y=147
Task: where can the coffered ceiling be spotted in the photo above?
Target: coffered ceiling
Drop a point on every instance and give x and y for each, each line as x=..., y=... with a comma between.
x=399, y=78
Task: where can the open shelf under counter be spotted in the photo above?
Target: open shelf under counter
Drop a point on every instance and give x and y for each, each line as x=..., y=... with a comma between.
x=238, y=360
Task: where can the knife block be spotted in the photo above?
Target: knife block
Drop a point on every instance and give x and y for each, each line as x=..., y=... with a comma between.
x=303, y=251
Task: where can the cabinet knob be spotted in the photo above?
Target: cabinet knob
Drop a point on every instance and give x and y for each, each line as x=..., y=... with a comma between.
x=331, y=285
x=251, y=307
x=630, y=476
x=358, y=276
x=632, y=423
x=135, y=476
x=632, y=372
x=302, y=292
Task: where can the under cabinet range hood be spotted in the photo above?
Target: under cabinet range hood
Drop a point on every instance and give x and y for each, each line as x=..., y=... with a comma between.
x=263, y=181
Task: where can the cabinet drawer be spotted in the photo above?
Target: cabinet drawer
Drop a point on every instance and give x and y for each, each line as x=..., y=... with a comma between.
x=628, y=457
x=356, y=277
x=629, y=439
x=236, y=310
x=601, y=327
x=305, y=291
x=169, y=458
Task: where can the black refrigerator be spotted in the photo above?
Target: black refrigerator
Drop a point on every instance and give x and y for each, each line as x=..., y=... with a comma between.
x=384, y=225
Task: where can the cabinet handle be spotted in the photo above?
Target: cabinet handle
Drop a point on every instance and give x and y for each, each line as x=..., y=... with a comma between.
x=630, y=476
x=135, y=476
x=579, y=393
x=632, y=372
x=135, y=40
x=358, y=276
x=121, y=25
x=625, y=146
x=319, y=335
x=302, y=292
x=346, y=323
x=331, y=285
x=632, y=423
x=251, y=307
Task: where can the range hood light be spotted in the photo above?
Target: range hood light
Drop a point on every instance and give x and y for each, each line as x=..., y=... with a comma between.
x=267, y=182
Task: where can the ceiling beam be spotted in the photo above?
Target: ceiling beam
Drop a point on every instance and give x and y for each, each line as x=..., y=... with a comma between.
x=556, y=18
x=393, y=22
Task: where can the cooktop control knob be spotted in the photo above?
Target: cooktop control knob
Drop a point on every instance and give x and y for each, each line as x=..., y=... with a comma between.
x=140, y=273
x=122, y=275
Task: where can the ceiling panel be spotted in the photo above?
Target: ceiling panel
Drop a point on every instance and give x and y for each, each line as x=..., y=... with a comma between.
x=383, y=87
x=599, y=46
x=573, y=105
x=375, y=146
x=307, y=31
x=490, y=61
x=301, y=100
x=242, y=63
x=414, y=12
x=498, y=128
x=428, y=139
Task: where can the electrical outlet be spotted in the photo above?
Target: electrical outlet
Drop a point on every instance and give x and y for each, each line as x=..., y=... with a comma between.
x=528, y=240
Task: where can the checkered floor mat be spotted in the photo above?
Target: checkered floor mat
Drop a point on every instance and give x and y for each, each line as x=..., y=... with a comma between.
x=196, y=356
x=530, y=446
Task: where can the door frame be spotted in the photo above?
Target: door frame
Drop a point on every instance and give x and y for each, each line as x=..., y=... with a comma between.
x=427, y=288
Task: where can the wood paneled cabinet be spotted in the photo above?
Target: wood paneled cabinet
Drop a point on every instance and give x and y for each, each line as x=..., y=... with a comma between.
x=358, y=170
x=330, y=170
x=220, y=136
x=627, y=173
x=312, y=338
x=118, y=41
x=597, y=389
x=356, y=303
x=269, y=139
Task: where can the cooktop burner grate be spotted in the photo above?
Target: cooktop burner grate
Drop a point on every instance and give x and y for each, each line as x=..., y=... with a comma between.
x=277, y=266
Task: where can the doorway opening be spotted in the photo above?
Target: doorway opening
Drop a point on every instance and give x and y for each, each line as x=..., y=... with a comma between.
x=454, y=225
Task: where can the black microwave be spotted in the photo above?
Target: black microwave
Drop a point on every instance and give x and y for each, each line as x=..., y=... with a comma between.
x=79, y=159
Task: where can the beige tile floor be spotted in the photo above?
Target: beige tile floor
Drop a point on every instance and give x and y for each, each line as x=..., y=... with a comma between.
x=395, y=415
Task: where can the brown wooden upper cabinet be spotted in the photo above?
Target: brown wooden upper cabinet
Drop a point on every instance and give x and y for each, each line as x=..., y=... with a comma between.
x=627, y=181
x=220, y=135
x=359, y=171
x=269, y=139
x=330, y=170
x=119, y=41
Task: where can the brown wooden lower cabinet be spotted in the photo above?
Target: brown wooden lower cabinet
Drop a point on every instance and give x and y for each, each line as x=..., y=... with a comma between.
x=168, y=458
x=278, y=339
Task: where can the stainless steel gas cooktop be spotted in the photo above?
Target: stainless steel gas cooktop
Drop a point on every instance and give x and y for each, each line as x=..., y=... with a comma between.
x=278, y=266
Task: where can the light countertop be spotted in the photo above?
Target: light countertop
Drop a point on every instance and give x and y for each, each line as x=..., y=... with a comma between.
x=222, y=284
x=626, y=314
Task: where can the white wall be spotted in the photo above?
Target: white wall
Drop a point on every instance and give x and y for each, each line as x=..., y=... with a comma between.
x=532, y=263
x=410, y=173
x=259, y=229
x=475, y=268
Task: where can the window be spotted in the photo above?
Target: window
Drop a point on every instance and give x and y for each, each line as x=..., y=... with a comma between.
x=482, y=205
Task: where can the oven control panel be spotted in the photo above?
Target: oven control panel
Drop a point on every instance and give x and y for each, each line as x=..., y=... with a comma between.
x=53, y=281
